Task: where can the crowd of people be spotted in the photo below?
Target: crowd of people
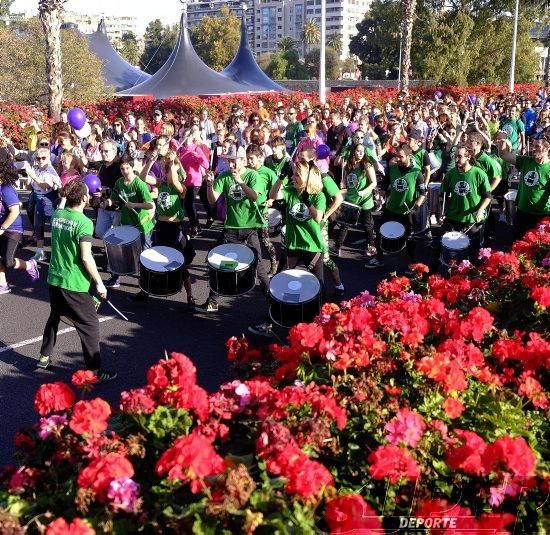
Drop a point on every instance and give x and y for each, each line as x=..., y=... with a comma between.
x=430, y=167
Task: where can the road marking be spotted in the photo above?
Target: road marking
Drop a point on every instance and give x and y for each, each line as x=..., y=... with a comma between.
x=39, y=338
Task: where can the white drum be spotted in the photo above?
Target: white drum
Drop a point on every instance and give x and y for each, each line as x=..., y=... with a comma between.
x=435, y=202
x=106, y=219
x=123, y=247
x=392, y=237
x=454, y=248
x=232, y=269
x=283, y=236
x=161, y=271
x=294, y=297
x=510, y=205
x=275, y=221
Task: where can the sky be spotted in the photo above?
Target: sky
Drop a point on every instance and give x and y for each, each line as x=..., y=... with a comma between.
x=145, y=11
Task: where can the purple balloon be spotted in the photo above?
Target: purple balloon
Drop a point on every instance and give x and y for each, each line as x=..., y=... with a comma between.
x=323, y=151
x=93, y=183
x=438, y=94
x=76, y=118
x=472, y=99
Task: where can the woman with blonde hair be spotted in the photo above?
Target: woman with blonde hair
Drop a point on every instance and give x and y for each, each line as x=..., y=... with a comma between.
x=306, y=204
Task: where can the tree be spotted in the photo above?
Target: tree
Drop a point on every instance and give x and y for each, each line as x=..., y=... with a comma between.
x=409, y=10
x=334, y=41
x=23, y=78
x=49, y=12
x=159, y=43
x=129, y=48
x=332, y=63
x=5, y=6
x=287, y=44
x=216, y=39
x=277, y=66
x=311, y=34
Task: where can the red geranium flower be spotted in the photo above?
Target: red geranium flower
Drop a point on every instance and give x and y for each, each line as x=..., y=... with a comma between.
x=53, y=397
x=84, y=379
x=90, y=417
x=453, y=407
x=353, y=515
x=394, y=463
x=469, y=456
x=137, y=401
x=77, y=527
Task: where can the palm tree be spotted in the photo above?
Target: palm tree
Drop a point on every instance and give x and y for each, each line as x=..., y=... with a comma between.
x=287, y=44
x=311, y=34
x=49, y=12
x=409, y=10
x=334, y=41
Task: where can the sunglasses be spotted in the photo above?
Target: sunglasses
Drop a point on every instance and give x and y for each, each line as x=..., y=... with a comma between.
x=118, y=124
x=43, y=144
x=105, y=150
x=41, y=158
x=196, y=122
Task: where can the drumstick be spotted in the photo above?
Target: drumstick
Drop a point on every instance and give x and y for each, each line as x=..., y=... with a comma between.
x=116, y=310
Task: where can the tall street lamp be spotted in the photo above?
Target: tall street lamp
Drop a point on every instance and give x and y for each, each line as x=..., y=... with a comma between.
x=322, y=70
x=514, y=44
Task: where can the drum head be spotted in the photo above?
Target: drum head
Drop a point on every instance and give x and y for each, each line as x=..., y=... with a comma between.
x=350, y=205
x=274, y=217
x=434, y=186
x=511, y=195
x=294, y=286
x=121, y=235
x=283, y=232
x=161, y=259
x=455, y=240
x=392, y=230
x=230, y=257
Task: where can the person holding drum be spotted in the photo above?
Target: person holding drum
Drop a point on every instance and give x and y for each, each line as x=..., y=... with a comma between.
x=108, y=173
x=72, y=270
x=406, y=191
x=420, y=155
x=244, y=191
x=360, y=186
x=132, y=194
x=533, y=197
x=468, y=193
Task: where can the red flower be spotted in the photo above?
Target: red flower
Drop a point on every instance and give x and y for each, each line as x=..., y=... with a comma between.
x=306, y=336
x=469, y=456
x=514, y=453
x=84, y=379
x=394, y=463
x=100, y=472
x=532, y=389
x=77, y=527
x=53, y=397
x=305, y=477
x=137, y=401
x=353, y=515
x=541, y=294
x=191, y=458
x=478, y=323
x=90, y=417
x=453, y=407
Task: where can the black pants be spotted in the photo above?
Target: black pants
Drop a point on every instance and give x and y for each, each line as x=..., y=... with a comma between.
x=79, y=307
x=312, y=261
x=263, y=234
x=408, y=221
x=170, y=234
x=189, y=203
x=524, y=221
x=366, y=220
x=475, y=233
x=248, y=237
x=9, y=242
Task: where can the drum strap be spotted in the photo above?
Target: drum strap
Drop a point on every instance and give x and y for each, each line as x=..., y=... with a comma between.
x=314, y=260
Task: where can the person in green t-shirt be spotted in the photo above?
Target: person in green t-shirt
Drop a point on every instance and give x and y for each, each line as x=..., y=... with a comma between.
x=170, y=212
x=244, y=192
x=72, y=269
x=515, y=129
x=360, y=185
x=292, y=131
x=255, y=159
x=468, y=195
x=533, y=197
x=405, y=192
x=132, y=195
x=281, y=164
x=420, y=156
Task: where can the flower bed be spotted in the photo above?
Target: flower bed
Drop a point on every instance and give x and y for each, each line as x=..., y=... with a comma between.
x=419, y=407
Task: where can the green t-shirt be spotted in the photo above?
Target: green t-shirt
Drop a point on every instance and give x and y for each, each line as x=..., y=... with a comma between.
x=330, y=189
x=489, y=165
x=268, y=178
x=357, y=181
x=282, y=168
x=169, y=202
x=466, y=190
x=302, y=232
x=512, y=127
x=69, y=228
x=421, y=158
x=241, y=211
x=405, y=185
x=291, y=135
x=138, y=192
x=534, y=186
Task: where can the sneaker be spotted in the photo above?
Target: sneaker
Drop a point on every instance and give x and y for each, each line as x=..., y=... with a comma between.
x=140, y=296
x=104, y=375
x=32, y=269
x=194, y=231
x=43, y=362
x=371, y=250
x=191, y=305
x=263, y=329
x=40, y=256
x=209, y=222
x=4, y=289
x=334, y=251
x=113, y=282
x=374, y=263
x=207, y=307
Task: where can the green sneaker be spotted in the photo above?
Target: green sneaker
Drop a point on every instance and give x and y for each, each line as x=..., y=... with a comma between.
x=104, y=375
x=43, y=362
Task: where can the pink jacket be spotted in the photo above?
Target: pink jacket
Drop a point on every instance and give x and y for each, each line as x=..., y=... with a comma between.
x=308, y=143
x=194, y=162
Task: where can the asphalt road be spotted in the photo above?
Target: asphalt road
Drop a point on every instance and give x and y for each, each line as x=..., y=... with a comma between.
x=155, y=326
